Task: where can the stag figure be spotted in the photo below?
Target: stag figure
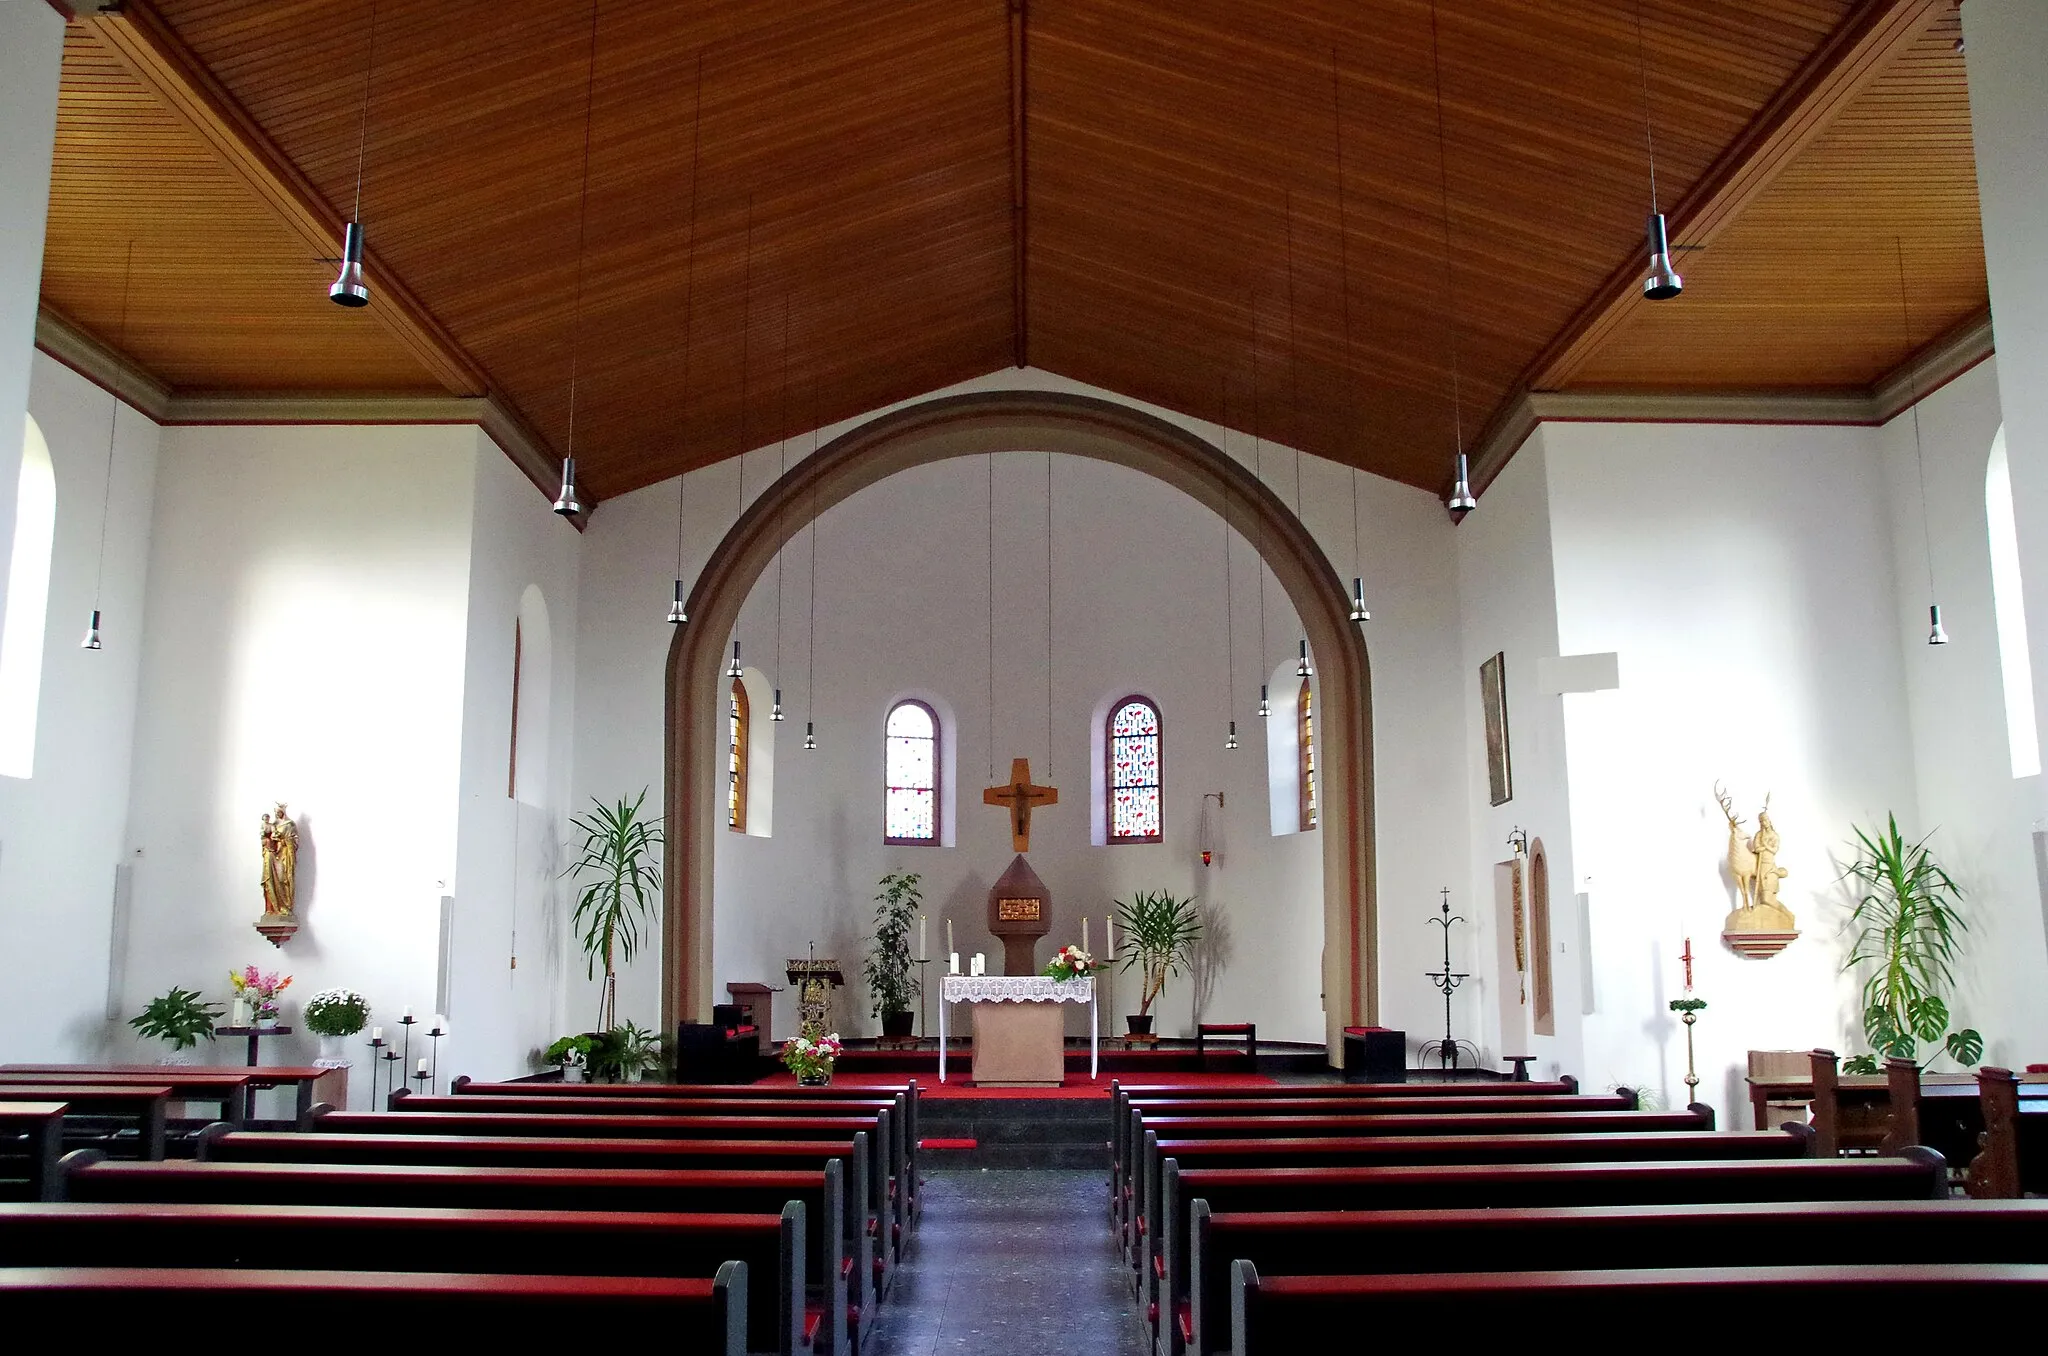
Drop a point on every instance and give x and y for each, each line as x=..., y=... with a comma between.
x=1741, y=855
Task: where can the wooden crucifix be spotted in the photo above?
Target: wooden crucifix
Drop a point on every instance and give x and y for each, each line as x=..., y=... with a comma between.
x=1022, y=798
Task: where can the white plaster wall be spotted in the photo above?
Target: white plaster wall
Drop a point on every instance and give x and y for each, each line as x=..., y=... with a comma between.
x=1981, y=816
x=507, y=885
x=31, y=56
x=305, y=643
x=1508, y=597
x=902, y=607
x=61, y=831
x=1744, y=576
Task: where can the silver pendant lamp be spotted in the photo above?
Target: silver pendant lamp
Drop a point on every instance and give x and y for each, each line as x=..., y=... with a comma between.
x=566, y=503
x=1301, y=667
x=677, y=614
x=734, y=670
x=1230, y=740
x=1462, y=501
x=1662, y=282
x=348, y=288
x=1265, y=706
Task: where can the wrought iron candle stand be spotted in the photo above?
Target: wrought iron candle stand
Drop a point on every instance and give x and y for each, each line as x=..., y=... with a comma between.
x=1450, y=1049
x=921, y=963
x=395, y=1078
x=377, y=1044
x=434, y=1065
x=408, y=1022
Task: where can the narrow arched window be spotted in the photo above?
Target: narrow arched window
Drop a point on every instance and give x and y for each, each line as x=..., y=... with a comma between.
x=28, y=601
x=1311, y=812
x=910, y=775
x=1133, y=781
x=2009, y=611
x=737, y=732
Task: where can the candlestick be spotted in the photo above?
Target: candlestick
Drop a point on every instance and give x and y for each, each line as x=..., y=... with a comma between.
x=1110, y=919
x=921, y=952
x=1084, y=932
x=949, y=938
x=376, y=1053
x=392, y=1076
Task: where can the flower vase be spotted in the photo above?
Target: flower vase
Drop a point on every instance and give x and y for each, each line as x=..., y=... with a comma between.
x=572, y=1073
x=266, y=1021
x=818, y=1079
x=334, y=1052
x=239, y=1013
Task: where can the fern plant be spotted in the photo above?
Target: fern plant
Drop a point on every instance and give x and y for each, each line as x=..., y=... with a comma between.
x=1908, y=923
x=621, y=881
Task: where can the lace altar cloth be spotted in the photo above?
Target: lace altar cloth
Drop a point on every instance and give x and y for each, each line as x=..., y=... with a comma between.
x=1016, y=989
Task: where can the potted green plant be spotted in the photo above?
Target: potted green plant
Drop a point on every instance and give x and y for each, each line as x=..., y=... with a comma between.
x=571, y=1053
x=623, y=1054
x=1908, y=923
x=181, y=1017
x=334, y=1015
x=891, y=987
x=1160, y=932
x=621, y=880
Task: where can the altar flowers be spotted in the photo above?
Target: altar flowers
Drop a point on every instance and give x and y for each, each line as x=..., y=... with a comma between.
x=259, y=989
x=811, y=1059
x=1071, y=963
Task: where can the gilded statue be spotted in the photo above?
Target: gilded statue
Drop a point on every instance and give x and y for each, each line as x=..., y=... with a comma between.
x=280, y=839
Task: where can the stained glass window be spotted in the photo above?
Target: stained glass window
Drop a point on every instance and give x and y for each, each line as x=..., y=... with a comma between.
x=910, y=774
x=1133, y=781
x=1311, y=812
x=736, y=759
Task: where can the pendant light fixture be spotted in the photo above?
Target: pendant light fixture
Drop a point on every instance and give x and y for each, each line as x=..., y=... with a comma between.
x=1265, y=706
x=735, y=671
x=677, y=613
x=1462, y=500
x=348, y=288
x=1301, y=668
x=1229, y=599
x=1230, y=740
x=92, y=629
x=739, y=507
x=1936, y=633
x=566, y=502
x=1259, y=473
x=1662, y=282
x=782, y=463
x=811, y=623
x=1358, y=608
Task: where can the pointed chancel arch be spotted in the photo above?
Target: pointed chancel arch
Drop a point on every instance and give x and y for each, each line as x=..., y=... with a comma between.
x=1020, y=421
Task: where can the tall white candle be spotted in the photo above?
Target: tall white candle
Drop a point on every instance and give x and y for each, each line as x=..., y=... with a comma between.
x=408, y=1014
x=922, y=954
x=952, y=962
x=1084, y=932
x=1110, y=919
x=376, y=1033
x=949, y=936
x=423, y=1066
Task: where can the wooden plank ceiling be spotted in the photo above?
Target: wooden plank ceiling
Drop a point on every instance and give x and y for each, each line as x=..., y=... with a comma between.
x=799, y=211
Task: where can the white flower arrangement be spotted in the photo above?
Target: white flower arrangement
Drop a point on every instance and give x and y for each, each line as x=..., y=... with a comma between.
x=1071, y=963
x=336, y=1012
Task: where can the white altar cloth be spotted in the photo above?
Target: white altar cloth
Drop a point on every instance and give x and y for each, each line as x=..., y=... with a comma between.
x=1019, y=989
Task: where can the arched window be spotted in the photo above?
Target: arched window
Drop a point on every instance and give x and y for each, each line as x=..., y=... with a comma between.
x=28, y=602
x=1306, y=733
x=738, y=728
x=1133, y=781
x=910, y=775
x=2009, y=609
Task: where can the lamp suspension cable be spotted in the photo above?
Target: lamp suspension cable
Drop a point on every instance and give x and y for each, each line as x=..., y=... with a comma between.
x=739, y=507
x=348, y=288
x=991, y=459
x=1462, y=499
x=1259, y=472
x=1294, y=398
x=1048, y=617
x=782, y=469
x=677, y=615
x=99, y=577
x=1229, y=601
x=811, y=625
x=1662, y=282
x=1358, y=609
x=566, y=502
x=1936, y=633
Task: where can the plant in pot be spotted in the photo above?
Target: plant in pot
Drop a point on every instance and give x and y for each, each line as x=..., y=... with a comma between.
x=334, y=1015
x=623, y=1054
x=621, y=880
x=571, y=1054
x=1907, y=925
x=891, y=987
x=180, y=1017
x=1160, y=932
x=811, y=1059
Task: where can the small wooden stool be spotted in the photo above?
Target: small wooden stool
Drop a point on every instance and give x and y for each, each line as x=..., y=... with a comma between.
x=1521, y=1063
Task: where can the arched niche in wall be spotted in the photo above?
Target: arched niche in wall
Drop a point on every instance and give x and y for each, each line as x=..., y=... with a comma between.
x=28, y=601
x=1542, y=985
x=1284, y=802
x=1019, y=421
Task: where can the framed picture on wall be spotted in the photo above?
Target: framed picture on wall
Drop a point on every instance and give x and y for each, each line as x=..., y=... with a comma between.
x=1493, y=701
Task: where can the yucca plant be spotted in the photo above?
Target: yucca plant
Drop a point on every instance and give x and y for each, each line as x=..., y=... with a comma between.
x=1160, y=932
x=1908, y=922
x=621, y=881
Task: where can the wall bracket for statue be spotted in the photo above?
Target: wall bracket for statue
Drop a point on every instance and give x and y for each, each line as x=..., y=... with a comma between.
x=1760, y=926
x=280, y=839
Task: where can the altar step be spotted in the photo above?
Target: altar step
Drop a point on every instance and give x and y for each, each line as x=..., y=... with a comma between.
x=1014, y=1132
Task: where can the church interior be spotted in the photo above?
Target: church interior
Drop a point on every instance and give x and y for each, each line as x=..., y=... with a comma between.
x=1046, y=588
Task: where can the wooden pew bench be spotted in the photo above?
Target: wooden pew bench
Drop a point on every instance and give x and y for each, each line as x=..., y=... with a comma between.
x=1584, y=1238
x=102, y=1111
x=137, y=1304
x=1281, y=1316
x=307, y=1081
x=229, y=1092
x=780, y=1318
x=844, y=1305
x=31, y=1141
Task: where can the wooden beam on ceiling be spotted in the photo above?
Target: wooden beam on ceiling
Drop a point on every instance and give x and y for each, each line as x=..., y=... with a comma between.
x=1019, y=217
x=1869, y=40
x=154, y=55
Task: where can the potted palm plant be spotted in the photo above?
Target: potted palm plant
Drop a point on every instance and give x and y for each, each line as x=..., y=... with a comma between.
x=1160, y=932
x=891, y=988
x=1908, y=922
x=620, y=881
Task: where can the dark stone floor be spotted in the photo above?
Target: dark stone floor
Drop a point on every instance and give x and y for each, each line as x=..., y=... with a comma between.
x=1012, y=1264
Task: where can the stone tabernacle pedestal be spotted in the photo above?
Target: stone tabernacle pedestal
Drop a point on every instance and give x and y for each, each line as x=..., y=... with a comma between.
x=1019, y=912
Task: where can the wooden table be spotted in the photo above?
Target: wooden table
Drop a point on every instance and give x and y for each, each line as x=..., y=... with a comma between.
x=148, y=1104
x=1869, y=1090
x=41, y=1125
x=255, y=1034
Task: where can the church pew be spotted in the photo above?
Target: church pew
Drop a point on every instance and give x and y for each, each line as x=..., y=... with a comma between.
x=1283, y=1315
x=902, y=1147
x=1162, y=1237
x=474, y=1242
x=2013, y=1158
x=302, y=1079
x=863, y=1227
x=874, y=1131
x=1583, y=1238
x=94, y=1104
x=33, y=1136
x=847, y=1292
x=136, y=1304
x=232, y=1092
x=1129, y=1130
